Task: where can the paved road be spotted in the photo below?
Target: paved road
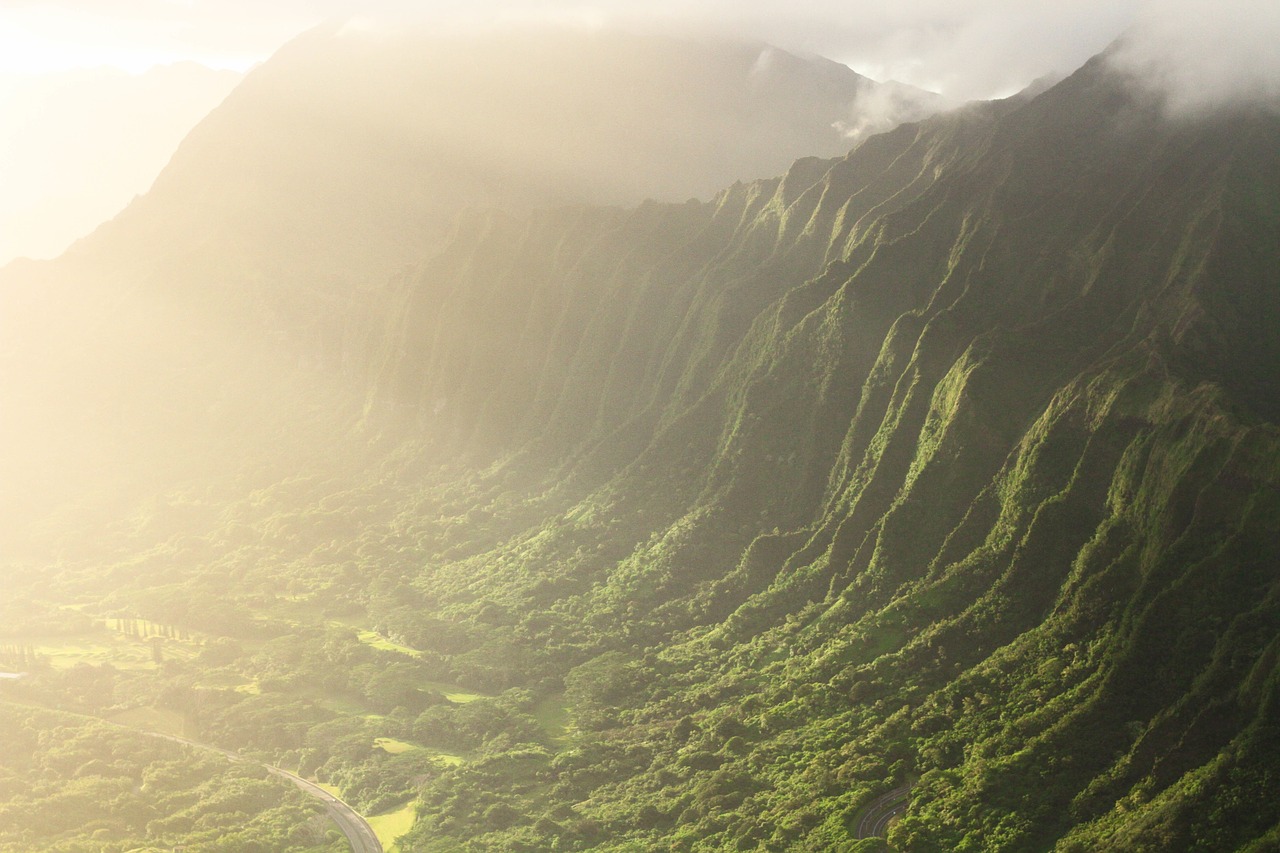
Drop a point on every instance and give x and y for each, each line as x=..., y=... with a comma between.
x=883, y=810
x=353, y=826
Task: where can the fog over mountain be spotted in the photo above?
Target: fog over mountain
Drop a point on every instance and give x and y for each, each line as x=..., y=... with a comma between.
x=336, y=164
x=1202, y=56
x=978, y=49
x=1201, y=53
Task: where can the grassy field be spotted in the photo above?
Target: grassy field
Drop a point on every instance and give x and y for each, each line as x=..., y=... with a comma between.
x=553, y=715
x=339, y=703
x=373, y=638
x=396, y=747
x=452, y=692
x=450, y=758
x=391, y=825
x=129, y=644
x=393, y=746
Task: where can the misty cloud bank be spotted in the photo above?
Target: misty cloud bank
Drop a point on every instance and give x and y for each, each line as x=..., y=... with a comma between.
x=1199, y=55
x=877, y=109
x=1200, y=52
x=1196, y=54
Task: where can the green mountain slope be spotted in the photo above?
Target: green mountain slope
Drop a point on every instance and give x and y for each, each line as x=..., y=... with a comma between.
x=951, y=462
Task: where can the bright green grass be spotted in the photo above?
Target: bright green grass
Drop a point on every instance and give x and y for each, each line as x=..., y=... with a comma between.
x=553, y=715
x=376, y=640
x=391, y=825
x=68, y=652
x=393, y=746
x=232, y=680
x=452, y=692
x=397, y=747
x=344, y=705
x=449, y=758
x=373, y=638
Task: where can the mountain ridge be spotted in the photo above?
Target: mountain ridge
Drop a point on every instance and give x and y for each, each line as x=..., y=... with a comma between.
x=1067, y=392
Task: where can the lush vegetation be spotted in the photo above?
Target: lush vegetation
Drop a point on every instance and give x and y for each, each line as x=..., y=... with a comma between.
x=951, y=464
x=75, y=784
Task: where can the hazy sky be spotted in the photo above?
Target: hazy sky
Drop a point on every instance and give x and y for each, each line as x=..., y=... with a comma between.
x=977, y=48
x=77, y=145
x=1201, y=51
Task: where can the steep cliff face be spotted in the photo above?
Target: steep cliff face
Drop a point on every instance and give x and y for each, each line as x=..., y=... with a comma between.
x=950, y=462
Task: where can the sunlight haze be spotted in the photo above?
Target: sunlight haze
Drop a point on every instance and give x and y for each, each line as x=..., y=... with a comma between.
x=989, y=48
x=591, y=425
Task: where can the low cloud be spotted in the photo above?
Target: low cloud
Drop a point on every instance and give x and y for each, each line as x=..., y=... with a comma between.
x=982, y=48
x=884, y=107
x=1200, y=55
x=1197, y=52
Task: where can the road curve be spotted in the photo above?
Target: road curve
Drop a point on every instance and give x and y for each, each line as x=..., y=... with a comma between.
x=357, y=830
x=882, y=811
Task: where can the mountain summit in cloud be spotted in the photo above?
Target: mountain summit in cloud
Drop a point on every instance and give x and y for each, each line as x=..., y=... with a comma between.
x=1199, y=55
x=346, y=158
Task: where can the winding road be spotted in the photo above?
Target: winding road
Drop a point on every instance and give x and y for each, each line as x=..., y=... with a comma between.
x=883, y=810
x=353, y=826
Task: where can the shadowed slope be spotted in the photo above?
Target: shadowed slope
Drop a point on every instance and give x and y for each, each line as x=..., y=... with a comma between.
x=955, y=451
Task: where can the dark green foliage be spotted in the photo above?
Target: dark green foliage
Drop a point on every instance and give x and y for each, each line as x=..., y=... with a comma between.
x=968, y=505
x=70, y=779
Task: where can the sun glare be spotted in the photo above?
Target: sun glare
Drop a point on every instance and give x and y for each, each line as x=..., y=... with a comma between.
x=46, y=41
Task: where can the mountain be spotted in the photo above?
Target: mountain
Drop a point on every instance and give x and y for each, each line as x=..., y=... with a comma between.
x=950, y=463
x=222, y=300
x=937, y=477
x=356, y=148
